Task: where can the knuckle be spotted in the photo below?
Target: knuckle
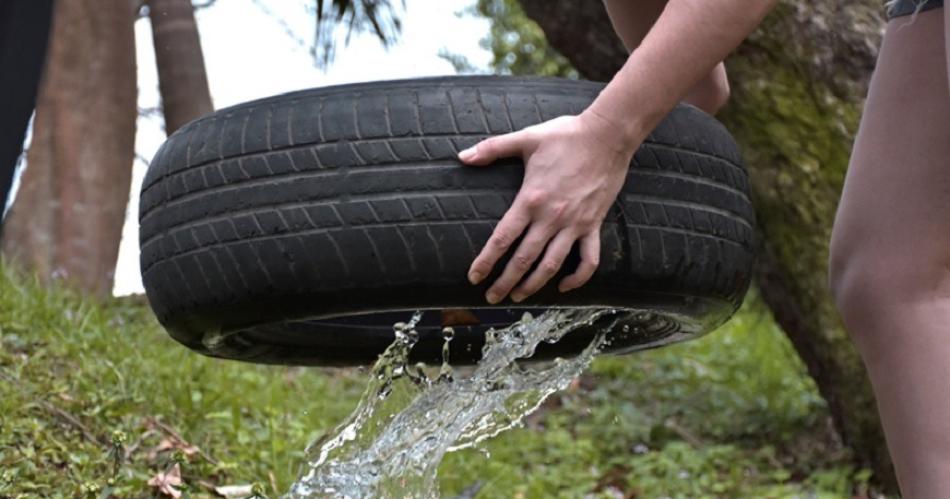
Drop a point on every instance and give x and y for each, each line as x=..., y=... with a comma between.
x=503, y=286
x=588, y=267
x=521, y=262
x=528, y=134
x=593, y=262
x=558, y=210
x=549, y=267
x=535, y=198
x=588, y=221
x=501, y=240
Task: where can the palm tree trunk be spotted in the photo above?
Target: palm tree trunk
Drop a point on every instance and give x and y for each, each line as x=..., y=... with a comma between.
x=182, y=79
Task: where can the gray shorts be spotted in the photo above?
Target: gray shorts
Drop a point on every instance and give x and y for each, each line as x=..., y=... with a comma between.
x=908, y=7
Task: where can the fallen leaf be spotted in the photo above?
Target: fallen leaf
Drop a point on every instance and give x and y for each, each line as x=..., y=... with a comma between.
x=166, y=482
x=169, y=443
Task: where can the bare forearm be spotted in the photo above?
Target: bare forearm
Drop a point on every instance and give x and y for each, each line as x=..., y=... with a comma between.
x=688, y=40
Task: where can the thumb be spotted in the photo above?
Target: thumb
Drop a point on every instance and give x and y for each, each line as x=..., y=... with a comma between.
x=500, y=146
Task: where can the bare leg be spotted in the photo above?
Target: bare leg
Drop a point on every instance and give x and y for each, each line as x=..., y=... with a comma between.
x=632, y=21
x=890, y=250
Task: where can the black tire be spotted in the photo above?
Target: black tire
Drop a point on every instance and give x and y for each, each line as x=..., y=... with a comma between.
x=296, y=229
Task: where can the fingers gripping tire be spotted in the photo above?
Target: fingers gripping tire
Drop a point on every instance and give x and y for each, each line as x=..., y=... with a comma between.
x=298, y=228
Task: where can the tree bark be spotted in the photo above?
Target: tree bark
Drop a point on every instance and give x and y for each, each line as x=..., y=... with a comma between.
x=182, y=79
x=581, y=31
x=798, y=84
x=68, y=215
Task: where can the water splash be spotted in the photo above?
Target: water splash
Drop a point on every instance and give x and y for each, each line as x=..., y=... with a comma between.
x=406, y=421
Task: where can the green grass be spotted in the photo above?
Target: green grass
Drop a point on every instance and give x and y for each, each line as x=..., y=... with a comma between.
x=89, y=392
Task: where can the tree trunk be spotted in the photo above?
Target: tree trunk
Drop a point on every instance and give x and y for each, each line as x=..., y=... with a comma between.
x=182, y=79
x=67, y=218
x=581, y=31
x=798, y=84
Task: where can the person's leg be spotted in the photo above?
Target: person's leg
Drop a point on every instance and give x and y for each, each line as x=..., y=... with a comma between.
x=632, y=21
x=24, y=30
x=890, y=250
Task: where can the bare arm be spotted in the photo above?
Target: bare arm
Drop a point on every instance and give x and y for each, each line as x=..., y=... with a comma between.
x=576, y=165
x=688, y=40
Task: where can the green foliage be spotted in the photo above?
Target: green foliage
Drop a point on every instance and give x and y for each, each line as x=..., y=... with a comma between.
x=731, y=414
x=113, y=372
x=518, y=45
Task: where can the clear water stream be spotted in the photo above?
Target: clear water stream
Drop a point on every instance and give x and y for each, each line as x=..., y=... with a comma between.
x=410, y=417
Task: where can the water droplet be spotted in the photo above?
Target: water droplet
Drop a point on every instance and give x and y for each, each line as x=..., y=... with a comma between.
x=416, y=317
x=626, y=328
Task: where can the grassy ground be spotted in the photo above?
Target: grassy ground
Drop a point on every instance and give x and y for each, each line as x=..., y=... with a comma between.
x=96, y=399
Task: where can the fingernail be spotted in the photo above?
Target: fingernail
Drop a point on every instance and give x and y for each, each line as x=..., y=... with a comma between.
x=467, y=154
x=517, y=297
x=492, y=298
x=474, y=277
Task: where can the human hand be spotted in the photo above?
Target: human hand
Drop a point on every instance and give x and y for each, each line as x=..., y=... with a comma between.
x=574, y=169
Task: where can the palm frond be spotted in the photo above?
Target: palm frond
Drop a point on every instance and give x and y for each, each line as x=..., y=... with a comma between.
x=379, y=17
